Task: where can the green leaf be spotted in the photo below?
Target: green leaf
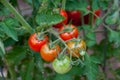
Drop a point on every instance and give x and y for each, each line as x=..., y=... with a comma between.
x=95, y=59
x=113, y=18
x=16, y=55
x=114, y=36
x=98, y=21
x=48, y=18
x=4, y=11
x=76, y=70
x=90, y=35
x=9, y=42
x=2, y=34
x=12, y=22
x=90, y=43
x=91, y=68
x=39, y=61
x=86, y=27
x=26, y=71
x=91, y=38
x=104, y=4
x=8, y=30
x=95, y=5
x=76, y=5
x=62, y=77
x=2, y=49
x=80, y=5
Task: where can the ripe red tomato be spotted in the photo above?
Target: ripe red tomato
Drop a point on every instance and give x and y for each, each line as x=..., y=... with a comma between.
x=69, y=35
x=64, y=14
x=74, y=16
x=76, y=47
x=36, y=44
x=63, y=65
x=49, y=54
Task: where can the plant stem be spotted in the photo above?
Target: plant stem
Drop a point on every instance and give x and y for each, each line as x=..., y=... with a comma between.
x=107, y=27
x=33, y=12
x=17, y=15
x=105, y=52
x=91, y=15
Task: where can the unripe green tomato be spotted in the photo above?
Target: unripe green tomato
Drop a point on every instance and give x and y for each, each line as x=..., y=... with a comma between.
x=62, y=65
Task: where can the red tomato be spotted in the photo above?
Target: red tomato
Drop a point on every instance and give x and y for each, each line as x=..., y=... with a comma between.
x=36, y=44
x=74, y=16
x=69, y=35
x=64, y=14
x=49, y=54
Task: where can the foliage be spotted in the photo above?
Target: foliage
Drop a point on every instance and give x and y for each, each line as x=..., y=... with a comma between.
x=22, y=62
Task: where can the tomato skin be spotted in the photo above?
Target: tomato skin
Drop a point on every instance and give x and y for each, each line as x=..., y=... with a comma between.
x=69, y=35
x=74, y=16
x=62, y=66
x=36, y=44
x=48, y=54
x=64, y=14
x=76, y=47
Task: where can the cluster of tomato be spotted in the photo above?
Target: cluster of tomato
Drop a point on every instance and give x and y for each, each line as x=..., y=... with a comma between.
x=67, y=33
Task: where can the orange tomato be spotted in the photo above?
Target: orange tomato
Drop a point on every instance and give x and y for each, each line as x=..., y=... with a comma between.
x=76, y=47
x=49, y=54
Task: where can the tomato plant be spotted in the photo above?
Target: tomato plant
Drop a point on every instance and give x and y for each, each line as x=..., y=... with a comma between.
x=41, y=41
x=68, y=32
x=36, y=44
x=49, y=54
x=64, y=14
x=62, y=65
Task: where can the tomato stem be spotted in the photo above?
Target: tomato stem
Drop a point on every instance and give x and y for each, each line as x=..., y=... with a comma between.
x=107, y=27
x=52, y=44
x=17, y=15
x=61, y=54
x=91, y=18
